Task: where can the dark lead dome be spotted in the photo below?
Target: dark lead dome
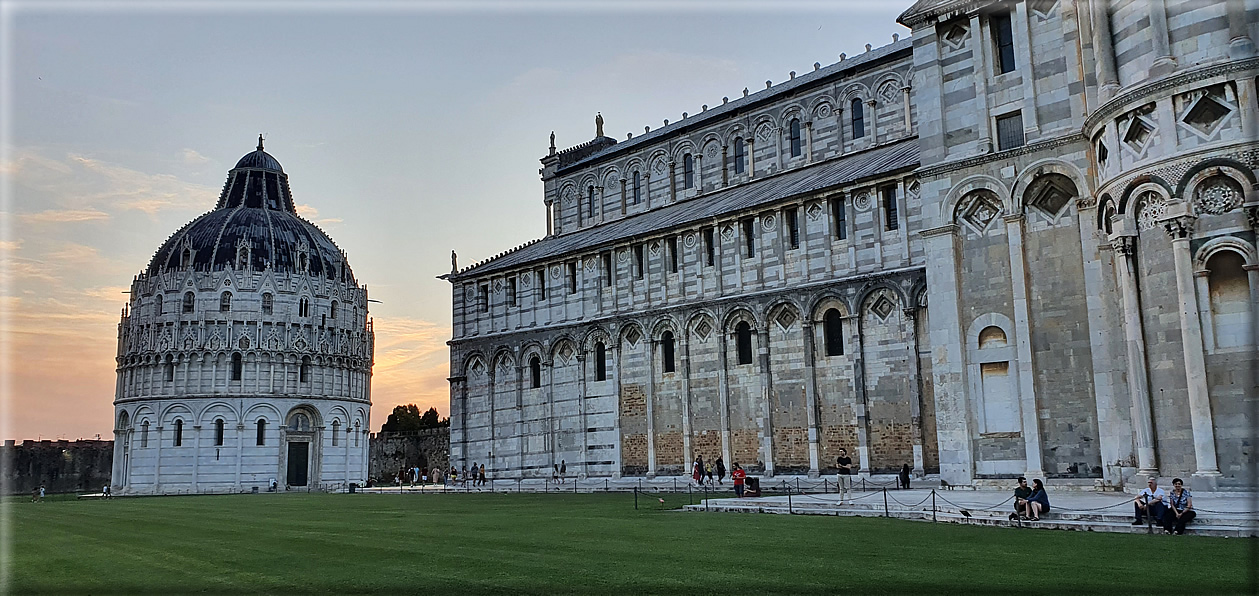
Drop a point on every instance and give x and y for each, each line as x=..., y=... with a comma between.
x=255, y=226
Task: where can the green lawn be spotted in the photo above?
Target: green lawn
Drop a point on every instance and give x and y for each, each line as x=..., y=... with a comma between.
x=569, y=543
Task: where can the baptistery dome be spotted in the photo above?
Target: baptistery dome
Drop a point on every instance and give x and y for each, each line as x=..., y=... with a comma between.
x=245, y=352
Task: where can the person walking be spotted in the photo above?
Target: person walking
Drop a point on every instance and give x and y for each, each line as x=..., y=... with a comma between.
x=708, y=473
x=738, y=476
x=843, y=480
x=721, y=470
x=563, y=470
x=697, y=471
x=481, y=475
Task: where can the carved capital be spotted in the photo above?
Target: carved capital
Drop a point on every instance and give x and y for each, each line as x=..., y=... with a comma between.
x=1179, y=227
x=1124, y=245
x=1252, y=215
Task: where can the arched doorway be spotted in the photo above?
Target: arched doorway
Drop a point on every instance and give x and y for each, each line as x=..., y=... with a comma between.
x=300, y=465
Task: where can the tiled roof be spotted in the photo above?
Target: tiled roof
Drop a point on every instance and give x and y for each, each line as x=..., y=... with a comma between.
x=844, y=170
x=723, y=110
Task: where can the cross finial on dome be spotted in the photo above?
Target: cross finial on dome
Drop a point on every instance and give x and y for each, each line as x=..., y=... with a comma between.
x=260, y=141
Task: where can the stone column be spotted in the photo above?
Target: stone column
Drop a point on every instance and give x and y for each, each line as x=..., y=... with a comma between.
x=1250, y=118
x=650, y=387
x=491, y=374
x=240, y=453
x=646, y=191
x=520, y=420
x=725, y=165
x=767, y=393
x=623, y=196
x=157, y=460
x=1240, y=44
x=616, y=370
x=723, y=382
x=1023, y=49
x=778, y=150
x=1023, y=340
x=839, y=129
x=808, y=141
x=1114, y=431
x=905, y=101
x=581, y=411
x=1179, y=227
x=1103, y=50
x=872, y=120
x=982, y=72
x=854, y=329
x=915, y=387
x=751, y=143
x=673, y=181
x=810, y=397
x=1164, y=62
x=196, y=458
x=953, y=423
x=1138, y=378
x=687, y=456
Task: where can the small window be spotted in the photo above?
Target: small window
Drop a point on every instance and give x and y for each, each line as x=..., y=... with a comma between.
x=572, y=278
x=225, y=302
x=301, y=263
x=189, y=302
x=262, y=432
x=688, y=171
x=743, y=342
x=144, y=434
x=749, y=238
x=218, y=432
x=795, y=137
x=833, y=332
x=303, y=372
x=590, y=201
x=673, y=253
x=541, y=277
x=858, y=115
x=268, y=303
x=638, y=189
x=710, y=247
x=357, y=433
x=1010, y=131
x=606, y=257
x=639, y=263
x=666, y=351
x=535, y=373
x=303, y=307
x=891, y=214
x=157, y=304
x=170, y=367
x=793, y=227
x=839, y=217
x=601, y=362
x=332, y=310
x=1003, y=38
x=740, y=156
x=185, y=259
x=336, y=431
x=483, y=298
x=511, y=291
x=237, y=365
x=179, y=433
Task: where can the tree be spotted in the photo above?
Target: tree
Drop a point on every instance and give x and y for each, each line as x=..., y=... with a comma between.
x=408, y=417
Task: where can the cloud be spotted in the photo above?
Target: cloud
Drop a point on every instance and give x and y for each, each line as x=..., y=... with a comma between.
x=10, y=245
x=412, y=363
x=64, y=216
x=312, y=214
x=191, y=157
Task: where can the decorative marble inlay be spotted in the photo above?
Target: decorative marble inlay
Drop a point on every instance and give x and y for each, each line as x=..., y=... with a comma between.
x=1152, y=208
x=1218, y=196
x=702, y=330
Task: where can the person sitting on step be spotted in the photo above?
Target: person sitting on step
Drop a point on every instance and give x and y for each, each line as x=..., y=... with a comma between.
x=1021, y=493
x=1151, y=502
x=1179, y=509
x=1038, y=501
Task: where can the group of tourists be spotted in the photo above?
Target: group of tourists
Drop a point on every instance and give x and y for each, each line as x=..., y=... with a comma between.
x=702, y=472
x=37, y=494
x=1172, y=511
x=460, y=477
x=559, y=471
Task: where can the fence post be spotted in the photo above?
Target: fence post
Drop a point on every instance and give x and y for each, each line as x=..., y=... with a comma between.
x=675, y=485
x=635, y=498
x=863, y=485
x=605, y=485
x=789, y=511
x=933, y=505
x=690, y=496
x=574, y=486
x=825, y=488
x=705, y=498
x=798, y=486
x=885, y=512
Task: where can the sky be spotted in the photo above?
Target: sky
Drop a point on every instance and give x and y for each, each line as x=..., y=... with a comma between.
x=407, y=130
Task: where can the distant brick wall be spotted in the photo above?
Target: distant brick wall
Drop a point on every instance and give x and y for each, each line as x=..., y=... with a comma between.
x=390, y=452
x=61, y=466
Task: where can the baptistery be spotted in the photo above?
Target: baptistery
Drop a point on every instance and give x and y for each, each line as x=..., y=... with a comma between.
x=244, y=353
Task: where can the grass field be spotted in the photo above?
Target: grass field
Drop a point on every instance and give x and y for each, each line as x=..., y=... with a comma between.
x=551, y=544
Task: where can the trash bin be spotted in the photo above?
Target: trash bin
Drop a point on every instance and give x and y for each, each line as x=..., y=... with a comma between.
x=353, y=487
x=255, y=490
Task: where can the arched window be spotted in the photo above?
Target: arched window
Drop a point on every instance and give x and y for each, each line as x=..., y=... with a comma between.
x=740, y=156
x=858, y=119
x=262, y=432
x=170, y=367
x=268, y=303
x=299, y=422
x=992, y=337
x=601, y=362
x=666, y=351
x=190, y=300
x=179, y=433
x=357, y=432
x=688, y=171
x=638, y=189
x=303, y=373
x=332, y=310
x=743, y=341
x=833, y=332
x=225, y=302
x=535, y=373
x=185, y=259
x=795, y=137
x=590, y=201
x=237, y=366
x=301, y=263
x=303, y=307
x=1231, y=303
x=157, y=304
x=218, y=432
x=144, y=434
x=336, y=430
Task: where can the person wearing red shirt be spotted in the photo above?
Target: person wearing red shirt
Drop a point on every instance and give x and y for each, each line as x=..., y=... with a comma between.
x=738, y=475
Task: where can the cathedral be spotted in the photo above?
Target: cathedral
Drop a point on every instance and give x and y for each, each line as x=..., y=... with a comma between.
x=1020, y=242
x=245, y=353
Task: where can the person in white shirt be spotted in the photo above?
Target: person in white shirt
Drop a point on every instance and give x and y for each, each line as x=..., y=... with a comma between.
x=1151, y=502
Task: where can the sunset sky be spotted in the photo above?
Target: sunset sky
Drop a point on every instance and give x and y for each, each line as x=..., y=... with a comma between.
x=407, y=130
